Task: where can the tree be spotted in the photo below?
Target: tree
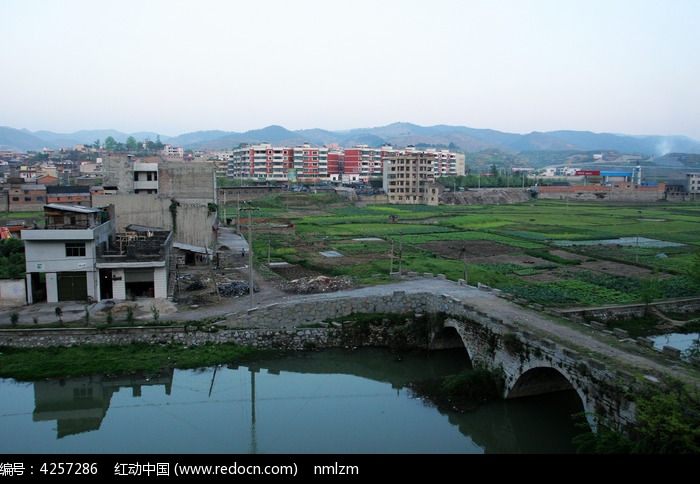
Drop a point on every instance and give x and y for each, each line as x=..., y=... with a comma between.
x=131, y=144
x=96, y=144
x=110, y=143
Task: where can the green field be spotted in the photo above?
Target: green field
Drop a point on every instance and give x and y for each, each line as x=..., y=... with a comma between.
x=510, y=247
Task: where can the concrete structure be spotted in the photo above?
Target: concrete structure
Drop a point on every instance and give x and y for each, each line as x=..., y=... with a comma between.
x=409, y=178
x=692, y=182
x=170, y=151
x=279, y=163
x=12, y=292
x=625, y=193
x=145, y=178
x=26, y=197
x=528, y=360
x=310, y=163
x=61, y=259
x=362, y=162
x=135, y=263
x=71, y=195
x=80, y=257
x=174, y=195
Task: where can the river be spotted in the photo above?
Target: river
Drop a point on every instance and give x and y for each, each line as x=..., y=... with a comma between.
x=328, y=402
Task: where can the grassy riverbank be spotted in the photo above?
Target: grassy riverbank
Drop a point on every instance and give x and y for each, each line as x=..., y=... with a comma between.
x=35, y=364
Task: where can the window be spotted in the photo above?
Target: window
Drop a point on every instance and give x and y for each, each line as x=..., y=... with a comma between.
x=75, y=249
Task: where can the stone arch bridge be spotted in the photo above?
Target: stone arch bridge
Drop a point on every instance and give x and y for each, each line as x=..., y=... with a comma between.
x=536, y=352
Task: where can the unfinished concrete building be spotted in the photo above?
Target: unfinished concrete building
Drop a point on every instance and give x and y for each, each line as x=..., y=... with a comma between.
x=176, y=195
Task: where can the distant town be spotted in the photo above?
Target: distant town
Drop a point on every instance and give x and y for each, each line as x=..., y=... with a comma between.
x=113, y=211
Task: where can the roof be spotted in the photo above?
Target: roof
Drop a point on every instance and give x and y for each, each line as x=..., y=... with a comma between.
x=615, y=173
x=72, y=208
x=69, y=189
x=191, y=248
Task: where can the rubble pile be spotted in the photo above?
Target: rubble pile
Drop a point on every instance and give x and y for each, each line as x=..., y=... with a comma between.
x=316, y=284
x=234, y=288
x=197, y=285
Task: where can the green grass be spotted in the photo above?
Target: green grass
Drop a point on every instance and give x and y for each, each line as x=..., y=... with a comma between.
x=33, y=364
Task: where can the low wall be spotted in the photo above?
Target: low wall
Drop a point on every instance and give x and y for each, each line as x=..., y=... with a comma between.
x=298, y=313
x=607, y=313
x=291, y=337
x=12, y=293
x=602, y=193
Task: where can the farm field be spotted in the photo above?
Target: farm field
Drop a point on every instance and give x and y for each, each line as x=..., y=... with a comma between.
x=529, y=250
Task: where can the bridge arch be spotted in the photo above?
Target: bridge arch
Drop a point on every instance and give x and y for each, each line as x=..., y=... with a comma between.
x=541, y=379
x=453, y=330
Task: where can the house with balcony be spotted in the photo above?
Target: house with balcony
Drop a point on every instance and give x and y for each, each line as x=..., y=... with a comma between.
x=78, y=256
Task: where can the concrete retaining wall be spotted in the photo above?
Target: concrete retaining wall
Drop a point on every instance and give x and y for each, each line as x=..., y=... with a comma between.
x=12, y=292
x=607, y=313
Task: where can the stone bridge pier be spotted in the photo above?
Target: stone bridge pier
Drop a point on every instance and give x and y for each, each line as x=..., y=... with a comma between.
x=532, y=366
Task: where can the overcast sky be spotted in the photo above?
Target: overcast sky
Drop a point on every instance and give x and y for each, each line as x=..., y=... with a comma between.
x=172, y=66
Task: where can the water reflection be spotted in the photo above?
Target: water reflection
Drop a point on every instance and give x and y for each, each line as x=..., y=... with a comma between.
x=322, y=402
x=80, y=404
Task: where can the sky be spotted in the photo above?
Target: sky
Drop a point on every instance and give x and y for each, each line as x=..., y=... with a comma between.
x=170, y=66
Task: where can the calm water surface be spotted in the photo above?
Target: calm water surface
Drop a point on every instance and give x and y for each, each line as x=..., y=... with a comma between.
x=324, y=402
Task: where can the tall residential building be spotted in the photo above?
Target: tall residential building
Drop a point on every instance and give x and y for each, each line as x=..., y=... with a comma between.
x=336, y=158
x=362, y=162
x=262, y=161
x=692, y=182
x=310, y=162
x=409, y=178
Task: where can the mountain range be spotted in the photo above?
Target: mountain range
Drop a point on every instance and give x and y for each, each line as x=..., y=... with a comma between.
x=460, y=138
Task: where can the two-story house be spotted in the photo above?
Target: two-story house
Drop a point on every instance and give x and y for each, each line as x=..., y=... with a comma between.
x=78, y=256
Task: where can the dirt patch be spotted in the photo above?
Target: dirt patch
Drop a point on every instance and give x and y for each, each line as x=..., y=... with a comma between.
x=451, y=249
x=616, y=269
x=568, y=255
x=293, y=271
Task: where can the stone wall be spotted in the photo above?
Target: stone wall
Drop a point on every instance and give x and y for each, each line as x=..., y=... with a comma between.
x=318, y=310
x=284, y=339
x=607, y=313
x=291, y=337
x=602, y=193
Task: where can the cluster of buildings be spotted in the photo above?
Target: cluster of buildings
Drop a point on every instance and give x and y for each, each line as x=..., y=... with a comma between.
x=308, y=163
x=124, y=238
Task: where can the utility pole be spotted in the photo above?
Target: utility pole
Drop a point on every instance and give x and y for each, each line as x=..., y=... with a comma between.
x=238, y=211
x=464, y=262
x=391, y=259
x=400, y=252
x=251, y=288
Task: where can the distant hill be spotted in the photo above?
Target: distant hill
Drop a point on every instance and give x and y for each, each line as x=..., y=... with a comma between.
x=18, y=140
x=396, y=134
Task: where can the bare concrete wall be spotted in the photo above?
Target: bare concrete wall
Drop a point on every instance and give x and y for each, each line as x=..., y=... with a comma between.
x=193, y=219
x=186, y=180
x=12, y=292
